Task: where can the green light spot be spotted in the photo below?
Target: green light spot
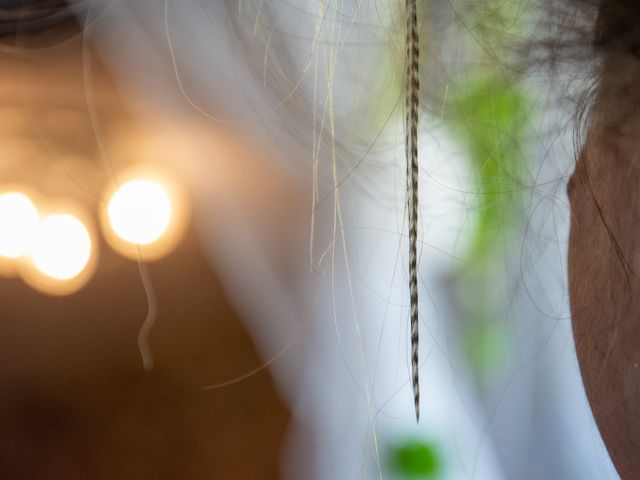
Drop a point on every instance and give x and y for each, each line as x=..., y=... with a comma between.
x=416, y=459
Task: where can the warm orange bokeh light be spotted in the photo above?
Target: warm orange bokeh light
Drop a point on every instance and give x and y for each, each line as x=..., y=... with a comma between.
x=140, y=211
x=144, y=215
x=62, y=247
x=62, y=255
x=18, y=222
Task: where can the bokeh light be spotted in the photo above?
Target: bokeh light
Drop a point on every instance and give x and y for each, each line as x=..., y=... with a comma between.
x=18, y=222
x=140, y=211
x=144, y=214
x=62, y=247
x=62, y=254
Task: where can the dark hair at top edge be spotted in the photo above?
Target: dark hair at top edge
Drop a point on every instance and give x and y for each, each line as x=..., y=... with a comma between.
x=32, y=15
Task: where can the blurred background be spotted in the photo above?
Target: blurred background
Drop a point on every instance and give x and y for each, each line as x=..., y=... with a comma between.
x=203, y=243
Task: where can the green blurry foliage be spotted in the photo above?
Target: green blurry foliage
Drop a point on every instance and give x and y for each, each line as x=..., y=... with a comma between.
x=415, y=459
x=490, y=118
x=486, y=346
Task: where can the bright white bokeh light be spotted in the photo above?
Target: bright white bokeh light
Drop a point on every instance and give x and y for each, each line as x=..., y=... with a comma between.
x=140, y=211
x=18, y=222
x=62, y=247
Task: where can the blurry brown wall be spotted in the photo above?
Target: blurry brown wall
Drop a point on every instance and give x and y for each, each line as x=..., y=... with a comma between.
x=75, y=403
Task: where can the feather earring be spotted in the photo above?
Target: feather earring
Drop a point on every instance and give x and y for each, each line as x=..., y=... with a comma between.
x=411, y=146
